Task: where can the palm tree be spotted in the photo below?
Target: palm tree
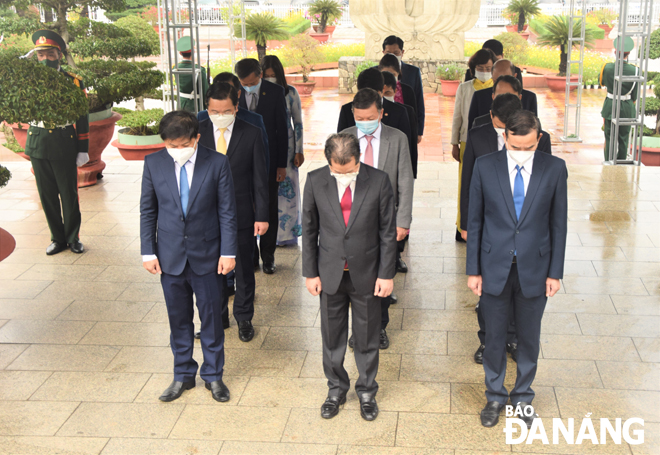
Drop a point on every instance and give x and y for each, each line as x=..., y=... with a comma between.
x=262, y=27
x=524, y=9
x=555, y=33
x=327, y=10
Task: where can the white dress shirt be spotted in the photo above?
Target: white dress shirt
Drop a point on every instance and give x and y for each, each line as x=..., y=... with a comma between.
x=501, y=142
x=526, y=171
x=216, y=133
x=375, y=144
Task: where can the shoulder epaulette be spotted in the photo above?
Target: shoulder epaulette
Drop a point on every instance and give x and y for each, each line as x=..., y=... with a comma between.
x=77, y=80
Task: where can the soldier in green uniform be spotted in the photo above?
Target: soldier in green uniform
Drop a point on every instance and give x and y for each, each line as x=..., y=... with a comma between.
x=55, y=152
x=186, y=95
x=628, y=98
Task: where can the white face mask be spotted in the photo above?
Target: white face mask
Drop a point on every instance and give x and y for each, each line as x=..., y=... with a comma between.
x=222, y=121
x=182, y=155
x=482, y=75
x=389, y=98
x=519, y=156
x=345, y=180
x=271, y=79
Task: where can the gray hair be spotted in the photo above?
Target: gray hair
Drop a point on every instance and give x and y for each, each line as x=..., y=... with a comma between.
x=341, y=148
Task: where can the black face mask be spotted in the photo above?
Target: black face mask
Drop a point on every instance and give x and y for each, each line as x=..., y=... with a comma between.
x=55, y=64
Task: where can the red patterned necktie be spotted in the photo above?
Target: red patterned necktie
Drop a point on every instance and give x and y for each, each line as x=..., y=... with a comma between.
x=369, y=152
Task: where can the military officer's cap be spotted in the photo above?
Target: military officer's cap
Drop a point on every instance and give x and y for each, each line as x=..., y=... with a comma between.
x=628, y=44
x=184, y=44
x=48, y=39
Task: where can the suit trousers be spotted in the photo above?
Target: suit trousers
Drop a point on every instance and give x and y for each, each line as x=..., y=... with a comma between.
x=334, y=331
x=511, y=337
x=179, y=291
x=528, y=313
x=387, y=301
x=245, y=282
x=268, y=241
x=58, y=179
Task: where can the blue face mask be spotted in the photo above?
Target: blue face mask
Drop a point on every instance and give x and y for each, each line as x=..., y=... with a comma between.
x=252, y=89
x=368, y=127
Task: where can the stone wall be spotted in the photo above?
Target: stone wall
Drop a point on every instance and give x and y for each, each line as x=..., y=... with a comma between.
x=347, y=65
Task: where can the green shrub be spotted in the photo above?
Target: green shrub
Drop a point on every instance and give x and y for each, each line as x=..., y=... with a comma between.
x=654, y=47
x=142, y=30
x=298, y=27
x=5, y=175
x=361, y=67
x=140, y=123
x=515, y=47
x=450, y=72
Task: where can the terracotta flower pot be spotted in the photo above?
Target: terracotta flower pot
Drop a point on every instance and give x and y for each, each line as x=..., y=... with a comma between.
x=512, y=28
x=304, y=88
x=606, y=28
x=650, y=156
x=20, y=133
x=7, y=244
x=525, y=35
x=558, y=83
x=328, y=29
x=136, y=152
x=100, y=134
x=449, y=88
x=320, y=37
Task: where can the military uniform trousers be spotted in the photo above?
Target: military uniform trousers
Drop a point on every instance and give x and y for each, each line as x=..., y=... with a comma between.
x=621, y=151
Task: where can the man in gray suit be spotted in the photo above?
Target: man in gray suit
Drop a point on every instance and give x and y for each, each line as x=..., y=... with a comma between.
x=384, y=148
x=517, y=215
x=349, y=257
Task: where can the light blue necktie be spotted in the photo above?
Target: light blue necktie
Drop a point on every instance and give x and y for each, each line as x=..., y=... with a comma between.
x=185, y=189
x=518, y=191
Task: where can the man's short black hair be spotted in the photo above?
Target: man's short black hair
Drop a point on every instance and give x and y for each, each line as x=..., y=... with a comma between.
x=178, y=125
x=244, y=68
x=495, y=46
x=341, y=148
x=367, y=97
x=221, y=91
x=392, y=40
x=389, y=61
x=389, y=80
x=522, y=123
x=505, y=105
x=481, y=57
x=511, y=80
x=228, y=77
x=370, y=78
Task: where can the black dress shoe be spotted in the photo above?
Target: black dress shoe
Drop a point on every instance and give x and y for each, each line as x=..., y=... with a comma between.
x=269, y=268
x=528, y=419
x=479, y=355
x=351, y=342
x=393, y=299
x=219, y=391
x=55, y=248
x=384, y=340
x=245, y=331
x=77, y=247
x=368, y=407
x=175, y=390
x=330, y=408
x=512, y=348
x=490, y=415
x=401, y=266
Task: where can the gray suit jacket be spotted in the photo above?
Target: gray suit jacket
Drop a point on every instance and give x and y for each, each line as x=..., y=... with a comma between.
x=367, y=243
x=394, y=159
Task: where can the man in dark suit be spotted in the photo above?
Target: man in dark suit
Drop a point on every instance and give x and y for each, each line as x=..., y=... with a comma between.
x=498, y=49
x=410, y=75
x=267, y=99
x=349, y=250
x=483, y=99
x=188, y=236
x=388, y=94
x=389, y=63
x=481, y=141
x=242, y=144
x=517, y=223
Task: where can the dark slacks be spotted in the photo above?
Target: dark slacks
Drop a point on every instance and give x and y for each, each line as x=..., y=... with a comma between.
x=245, y=283
x=179, y=290
x=528, y=313
x=58, y=179
x=511, y=337
x=334, y=331
x=268, y=241
x=387, y=301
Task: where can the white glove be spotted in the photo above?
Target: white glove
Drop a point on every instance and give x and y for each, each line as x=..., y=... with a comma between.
x=82, y=158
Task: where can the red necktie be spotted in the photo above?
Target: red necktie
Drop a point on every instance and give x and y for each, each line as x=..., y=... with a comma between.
x=369, y=152
x=346, y=204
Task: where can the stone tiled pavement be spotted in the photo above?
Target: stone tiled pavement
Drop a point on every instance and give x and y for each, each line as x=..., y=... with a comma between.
x=84, y=339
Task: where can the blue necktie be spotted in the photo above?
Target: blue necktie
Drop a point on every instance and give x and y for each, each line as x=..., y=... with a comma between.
x=518, y=191
x=185, y=189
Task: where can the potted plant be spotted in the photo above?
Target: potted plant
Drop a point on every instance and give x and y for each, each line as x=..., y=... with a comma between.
x=651, y=137
x=512, y=19
x=139, y=137
x=604, y=18
x=555, y=34
x=525, y=9
x=303, y=51
x=261, y=28
x=329, y=29
x=325, y=11
x=450, y=76
x=7, y=241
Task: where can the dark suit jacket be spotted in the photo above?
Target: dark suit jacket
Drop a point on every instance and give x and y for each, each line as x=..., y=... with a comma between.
x=248, y=168
x=486, y=120
x=253, y=119
x=482, y=101
x=368, y=243
x=209, y=229
x=272, y=108
x=410, y=99
x=412, y=143
x=469, y=76
x=538, y=237
x=412, y=76
x=482, y=141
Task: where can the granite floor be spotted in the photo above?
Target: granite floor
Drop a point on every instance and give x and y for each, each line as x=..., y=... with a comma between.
x=84, y=339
